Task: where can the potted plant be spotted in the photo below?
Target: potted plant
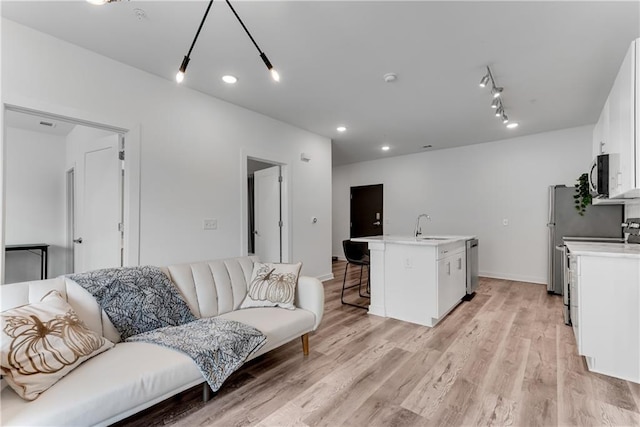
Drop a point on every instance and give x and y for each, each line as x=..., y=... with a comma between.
x=582, y=197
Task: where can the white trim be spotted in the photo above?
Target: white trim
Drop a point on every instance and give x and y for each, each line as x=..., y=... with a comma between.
x=514, y=277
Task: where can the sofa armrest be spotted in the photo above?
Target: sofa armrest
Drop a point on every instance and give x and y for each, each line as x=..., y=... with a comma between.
x=310, y=296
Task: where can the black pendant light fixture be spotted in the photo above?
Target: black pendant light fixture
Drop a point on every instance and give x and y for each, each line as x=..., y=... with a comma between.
x=185, y=61
x=263, y=56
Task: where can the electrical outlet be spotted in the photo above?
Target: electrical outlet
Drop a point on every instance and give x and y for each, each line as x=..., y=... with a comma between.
x=505, y=222
x=210, y=224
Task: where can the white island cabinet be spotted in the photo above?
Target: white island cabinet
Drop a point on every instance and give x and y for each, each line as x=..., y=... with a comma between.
x=605, y=307
x=417, y=280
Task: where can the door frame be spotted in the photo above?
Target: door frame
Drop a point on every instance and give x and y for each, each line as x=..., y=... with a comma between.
x=285, y=202
x=131, y=196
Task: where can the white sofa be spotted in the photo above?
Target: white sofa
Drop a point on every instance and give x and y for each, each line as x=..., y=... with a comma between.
x=133, y=376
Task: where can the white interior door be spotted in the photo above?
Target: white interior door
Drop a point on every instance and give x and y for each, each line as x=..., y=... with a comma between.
x=267, y=214
x=98, y=240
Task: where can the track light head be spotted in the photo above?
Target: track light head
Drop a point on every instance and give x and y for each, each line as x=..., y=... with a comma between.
x=484, y=81
x=496, y=91
x=505, y=119
x=499, y=111
x=495, y=103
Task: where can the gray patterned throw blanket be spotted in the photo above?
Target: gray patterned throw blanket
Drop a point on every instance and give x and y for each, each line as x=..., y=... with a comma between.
x=136, y=299
x=145, y=306
x=218, y=346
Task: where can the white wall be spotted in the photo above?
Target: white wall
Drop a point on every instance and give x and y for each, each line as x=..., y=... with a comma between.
x=470, y=190
x=35, y=202
x=191, y=149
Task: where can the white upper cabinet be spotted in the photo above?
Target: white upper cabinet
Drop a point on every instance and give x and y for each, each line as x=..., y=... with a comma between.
x=615, y=132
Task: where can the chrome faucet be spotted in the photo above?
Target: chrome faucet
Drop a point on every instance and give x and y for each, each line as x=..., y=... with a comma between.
x=418, y=231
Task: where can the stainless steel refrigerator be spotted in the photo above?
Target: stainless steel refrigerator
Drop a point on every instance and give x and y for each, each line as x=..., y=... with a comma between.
x=599, y=221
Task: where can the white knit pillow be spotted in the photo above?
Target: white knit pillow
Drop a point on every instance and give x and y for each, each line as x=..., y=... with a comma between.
x=42, y=342
x=272, y=285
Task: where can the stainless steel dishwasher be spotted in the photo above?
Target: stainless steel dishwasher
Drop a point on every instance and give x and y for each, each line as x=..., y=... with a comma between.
x=472, y=267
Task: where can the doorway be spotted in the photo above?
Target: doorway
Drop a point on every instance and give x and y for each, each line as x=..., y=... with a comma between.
x=366, y=216
x=264, y=203
x=63, y=178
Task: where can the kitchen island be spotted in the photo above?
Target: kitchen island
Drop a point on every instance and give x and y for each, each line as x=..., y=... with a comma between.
x=416, y=279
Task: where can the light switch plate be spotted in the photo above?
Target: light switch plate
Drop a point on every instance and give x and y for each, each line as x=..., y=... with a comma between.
x=210, y=224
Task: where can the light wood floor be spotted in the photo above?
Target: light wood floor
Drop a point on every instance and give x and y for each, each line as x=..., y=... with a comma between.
x=503, y=358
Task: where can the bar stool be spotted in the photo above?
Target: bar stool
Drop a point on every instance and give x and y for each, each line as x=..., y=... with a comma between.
x=357, y=254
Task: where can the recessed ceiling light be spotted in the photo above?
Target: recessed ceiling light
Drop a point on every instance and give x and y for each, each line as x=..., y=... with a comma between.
x=341, y=128
x=385, y=148
x=390, y=77
x=512, y=125
x=229, y=79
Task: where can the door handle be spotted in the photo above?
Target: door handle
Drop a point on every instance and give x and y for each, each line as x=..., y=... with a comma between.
x=459, y=263
x=78, y=240
x=449, y=268
x=376, y=223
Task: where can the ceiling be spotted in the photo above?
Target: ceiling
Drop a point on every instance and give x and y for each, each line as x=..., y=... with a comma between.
x=34, y=123
x=555, y=59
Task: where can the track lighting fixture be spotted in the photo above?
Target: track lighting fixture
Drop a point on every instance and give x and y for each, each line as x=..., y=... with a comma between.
x=497, y=102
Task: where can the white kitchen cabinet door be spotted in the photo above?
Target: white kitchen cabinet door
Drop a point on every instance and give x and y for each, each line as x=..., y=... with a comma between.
x=621, y=126
x=451, y=282
x=609, y=317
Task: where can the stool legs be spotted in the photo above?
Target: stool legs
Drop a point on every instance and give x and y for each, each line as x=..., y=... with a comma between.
x=359, y=285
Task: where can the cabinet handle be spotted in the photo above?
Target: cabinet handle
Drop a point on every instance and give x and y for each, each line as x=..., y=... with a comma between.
x=459, y=263
x=449, y=268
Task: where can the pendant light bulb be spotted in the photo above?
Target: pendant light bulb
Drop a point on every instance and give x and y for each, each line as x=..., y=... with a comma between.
x=274, y=75
x=182, y=70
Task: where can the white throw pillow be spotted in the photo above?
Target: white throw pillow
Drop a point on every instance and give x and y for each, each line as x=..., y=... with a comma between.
x=42, y=342
x=272, y=285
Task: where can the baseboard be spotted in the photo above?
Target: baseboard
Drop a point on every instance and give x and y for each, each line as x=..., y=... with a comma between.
x=514, y=277
x=325, y=277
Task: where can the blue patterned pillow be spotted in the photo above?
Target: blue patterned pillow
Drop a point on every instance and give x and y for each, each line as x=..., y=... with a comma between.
x=136, y=299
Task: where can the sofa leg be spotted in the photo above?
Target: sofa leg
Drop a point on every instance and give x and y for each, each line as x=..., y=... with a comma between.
x=206, y=392
x=305, y=344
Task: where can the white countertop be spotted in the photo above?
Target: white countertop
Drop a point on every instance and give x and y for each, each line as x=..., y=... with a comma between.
x=619, y=250
x=410, y=240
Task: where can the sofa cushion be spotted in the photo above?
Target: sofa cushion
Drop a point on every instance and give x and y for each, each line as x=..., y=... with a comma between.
x=272, y=285
x=120, y=382
x=278, y=324
x=44, y=341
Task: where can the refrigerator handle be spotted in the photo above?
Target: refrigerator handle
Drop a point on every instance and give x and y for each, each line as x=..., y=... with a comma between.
x=551, y=250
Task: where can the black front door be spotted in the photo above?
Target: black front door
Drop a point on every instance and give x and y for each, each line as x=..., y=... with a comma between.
x=366, y=210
